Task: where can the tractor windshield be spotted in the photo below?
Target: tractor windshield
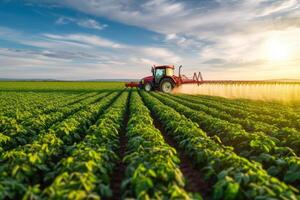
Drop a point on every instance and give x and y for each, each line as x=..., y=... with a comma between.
x=169, y=72
x=159, y=72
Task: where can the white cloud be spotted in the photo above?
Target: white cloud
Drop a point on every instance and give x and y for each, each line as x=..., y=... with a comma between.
x=44, y=43
x=161, y=55
x=143, y=61
x=86, y=23
x=171, y=36
x=90, y=23
x=63, y=20
x=85, y=39
x=280, y=6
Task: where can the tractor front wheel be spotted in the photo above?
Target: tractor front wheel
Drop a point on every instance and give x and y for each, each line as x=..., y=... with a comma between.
x=166, y=85
x=148, y=87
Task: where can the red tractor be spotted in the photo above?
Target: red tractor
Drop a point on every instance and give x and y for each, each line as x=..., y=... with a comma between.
x=163, y=79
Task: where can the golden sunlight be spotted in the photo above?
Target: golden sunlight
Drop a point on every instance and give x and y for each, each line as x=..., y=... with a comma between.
x=277, y=49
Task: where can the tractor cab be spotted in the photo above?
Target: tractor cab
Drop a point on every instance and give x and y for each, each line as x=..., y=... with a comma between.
x=159, y=72
x=162, y=79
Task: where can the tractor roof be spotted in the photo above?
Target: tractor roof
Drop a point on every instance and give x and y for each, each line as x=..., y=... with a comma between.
x=164, y=66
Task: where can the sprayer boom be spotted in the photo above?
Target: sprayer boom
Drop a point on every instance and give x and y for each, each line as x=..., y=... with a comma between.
x=239, y=82
x=163, y=79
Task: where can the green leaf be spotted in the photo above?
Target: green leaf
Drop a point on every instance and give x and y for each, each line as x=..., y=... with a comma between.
x=231, y=191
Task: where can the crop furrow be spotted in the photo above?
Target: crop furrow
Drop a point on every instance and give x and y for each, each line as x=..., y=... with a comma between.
x=119, y=171
x=194, y=179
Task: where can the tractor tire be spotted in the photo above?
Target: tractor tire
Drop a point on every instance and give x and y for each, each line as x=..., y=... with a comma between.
x=147, y=87
x=166, y=85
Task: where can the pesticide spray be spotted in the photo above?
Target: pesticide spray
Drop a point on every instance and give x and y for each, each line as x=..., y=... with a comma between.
x=282, y=91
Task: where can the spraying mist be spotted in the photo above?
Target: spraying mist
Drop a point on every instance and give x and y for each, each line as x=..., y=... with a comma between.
x=284, y=92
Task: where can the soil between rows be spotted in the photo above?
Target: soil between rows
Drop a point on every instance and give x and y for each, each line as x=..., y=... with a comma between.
x=118, y=173
x=194, y=179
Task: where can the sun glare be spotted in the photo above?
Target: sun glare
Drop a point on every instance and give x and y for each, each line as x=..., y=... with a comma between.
x=277, y=49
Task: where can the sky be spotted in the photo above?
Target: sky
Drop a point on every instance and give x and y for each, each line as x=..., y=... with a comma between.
x=114, y=39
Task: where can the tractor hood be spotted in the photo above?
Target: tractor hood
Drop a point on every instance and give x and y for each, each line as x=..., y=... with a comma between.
x=148, y=78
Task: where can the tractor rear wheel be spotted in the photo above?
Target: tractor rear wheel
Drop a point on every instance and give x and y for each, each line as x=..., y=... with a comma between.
x=148, y=87
x=166, y=85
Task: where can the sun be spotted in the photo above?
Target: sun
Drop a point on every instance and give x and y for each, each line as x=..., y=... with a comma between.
x=277, y=49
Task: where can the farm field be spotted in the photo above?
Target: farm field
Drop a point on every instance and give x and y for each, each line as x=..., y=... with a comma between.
x=79, y=140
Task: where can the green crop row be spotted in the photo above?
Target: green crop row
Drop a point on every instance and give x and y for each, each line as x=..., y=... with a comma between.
x=233, y=177
x=152, y=165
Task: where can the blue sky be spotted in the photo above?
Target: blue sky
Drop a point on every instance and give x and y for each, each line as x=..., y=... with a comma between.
x=74, y=39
